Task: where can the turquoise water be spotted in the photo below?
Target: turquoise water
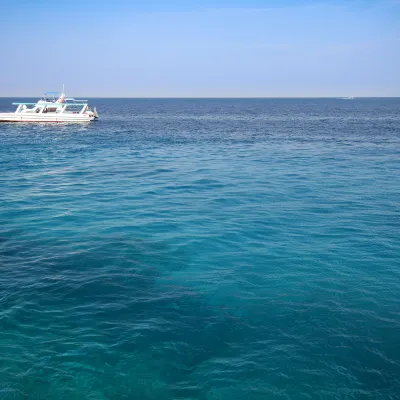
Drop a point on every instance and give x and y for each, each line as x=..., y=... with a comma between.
x=202, y=249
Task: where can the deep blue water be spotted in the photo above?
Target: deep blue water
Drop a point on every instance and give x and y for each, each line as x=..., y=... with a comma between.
x=202, y=249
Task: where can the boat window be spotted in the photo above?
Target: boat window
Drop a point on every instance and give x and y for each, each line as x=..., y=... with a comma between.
x=73, y=109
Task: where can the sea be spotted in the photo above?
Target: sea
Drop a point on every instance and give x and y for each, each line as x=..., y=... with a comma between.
x=211, y=249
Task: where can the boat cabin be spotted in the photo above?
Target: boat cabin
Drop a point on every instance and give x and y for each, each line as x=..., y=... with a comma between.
x=44, y=107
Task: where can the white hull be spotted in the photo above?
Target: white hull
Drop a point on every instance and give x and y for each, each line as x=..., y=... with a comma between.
x=41, y=117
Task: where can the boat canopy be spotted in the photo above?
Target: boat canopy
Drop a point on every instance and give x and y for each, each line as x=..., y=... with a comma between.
x=52, y=97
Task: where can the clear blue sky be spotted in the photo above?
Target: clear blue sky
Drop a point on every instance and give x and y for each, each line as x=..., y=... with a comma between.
x=193, y=48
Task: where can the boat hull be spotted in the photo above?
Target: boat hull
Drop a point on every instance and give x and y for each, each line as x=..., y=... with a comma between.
x=14, y=117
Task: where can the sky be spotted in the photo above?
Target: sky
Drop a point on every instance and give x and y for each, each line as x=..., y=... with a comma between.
x=193, y=48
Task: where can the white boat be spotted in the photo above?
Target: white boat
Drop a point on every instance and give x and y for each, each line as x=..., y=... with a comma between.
x=52, y=107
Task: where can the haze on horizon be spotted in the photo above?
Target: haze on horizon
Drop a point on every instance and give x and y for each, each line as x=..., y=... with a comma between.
x=193, y=48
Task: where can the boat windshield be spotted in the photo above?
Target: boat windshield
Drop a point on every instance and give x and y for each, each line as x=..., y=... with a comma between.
x=51, y=97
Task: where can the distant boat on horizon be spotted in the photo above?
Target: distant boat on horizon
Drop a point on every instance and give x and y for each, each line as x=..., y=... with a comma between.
x=52, y=107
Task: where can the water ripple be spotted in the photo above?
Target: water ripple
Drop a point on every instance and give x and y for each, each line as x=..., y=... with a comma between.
x=202, y=249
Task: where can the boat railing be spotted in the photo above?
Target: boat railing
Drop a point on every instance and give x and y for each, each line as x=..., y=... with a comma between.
x=44, y=107
x=72, y=101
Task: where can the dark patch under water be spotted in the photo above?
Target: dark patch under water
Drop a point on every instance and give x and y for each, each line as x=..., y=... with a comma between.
x=202, y=249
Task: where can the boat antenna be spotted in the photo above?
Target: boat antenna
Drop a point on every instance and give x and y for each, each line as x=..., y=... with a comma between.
x=63, y=88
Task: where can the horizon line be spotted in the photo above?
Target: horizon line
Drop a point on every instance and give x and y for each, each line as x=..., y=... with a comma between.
x=223, y=97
